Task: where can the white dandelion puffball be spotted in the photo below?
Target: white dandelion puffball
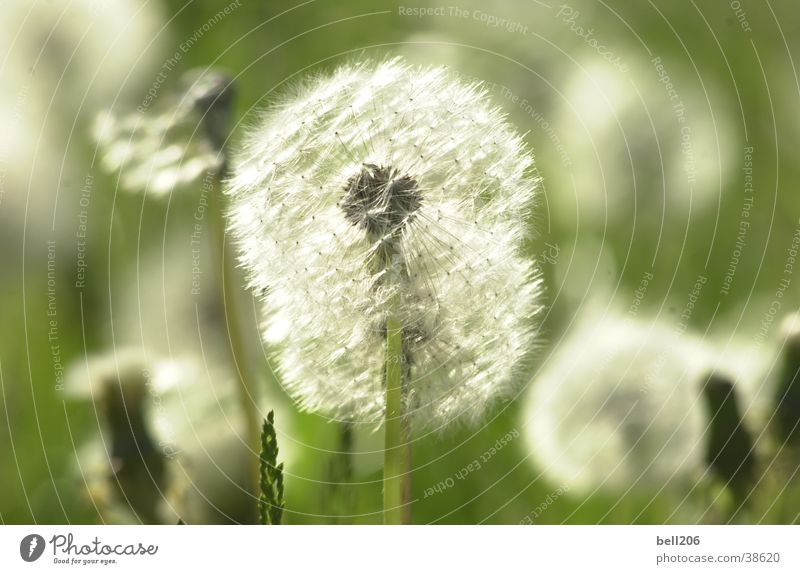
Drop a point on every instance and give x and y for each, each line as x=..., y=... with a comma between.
x=618, y=405
x=385, y=160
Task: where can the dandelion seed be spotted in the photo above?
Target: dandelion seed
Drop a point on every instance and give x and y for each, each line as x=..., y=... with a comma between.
x=619, y=405
x=382, y=183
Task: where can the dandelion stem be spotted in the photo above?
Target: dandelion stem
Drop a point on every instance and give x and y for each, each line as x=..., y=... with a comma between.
x=229, y=282
x=396, y=467
x=395, y=471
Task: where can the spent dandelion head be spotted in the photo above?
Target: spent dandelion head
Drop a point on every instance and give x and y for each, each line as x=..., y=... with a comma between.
x=786, y=394
x=120, y=384
x=171, y=440
x=388, y=189
x=730, y=448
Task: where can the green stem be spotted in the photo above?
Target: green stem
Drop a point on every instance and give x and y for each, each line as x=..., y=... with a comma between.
x=397, y=452
x=394, y=467
x=229, y=282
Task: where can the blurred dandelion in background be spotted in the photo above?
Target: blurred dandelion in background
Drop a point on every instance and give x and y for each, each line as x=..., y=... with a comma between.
x=172, y=443
x=175, y=142
x=61, y=63
x=618, y=406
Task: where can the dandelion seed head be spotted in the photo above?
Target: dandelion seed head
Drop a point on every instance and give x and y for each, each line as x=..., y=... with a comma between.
x=377, y=154
x=618, y=405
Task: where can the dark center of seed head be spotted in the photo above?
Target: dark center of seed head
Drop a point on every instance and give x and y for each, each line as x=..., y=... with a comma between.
x=380, y=200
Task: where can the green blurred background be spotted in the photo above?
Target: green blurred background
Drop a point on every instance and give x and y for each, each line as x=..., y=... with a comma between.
x=621, y=197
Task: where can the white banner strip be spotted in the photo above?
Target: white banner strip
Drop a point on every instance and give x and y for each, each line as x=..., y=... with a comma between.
x=402, y=550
